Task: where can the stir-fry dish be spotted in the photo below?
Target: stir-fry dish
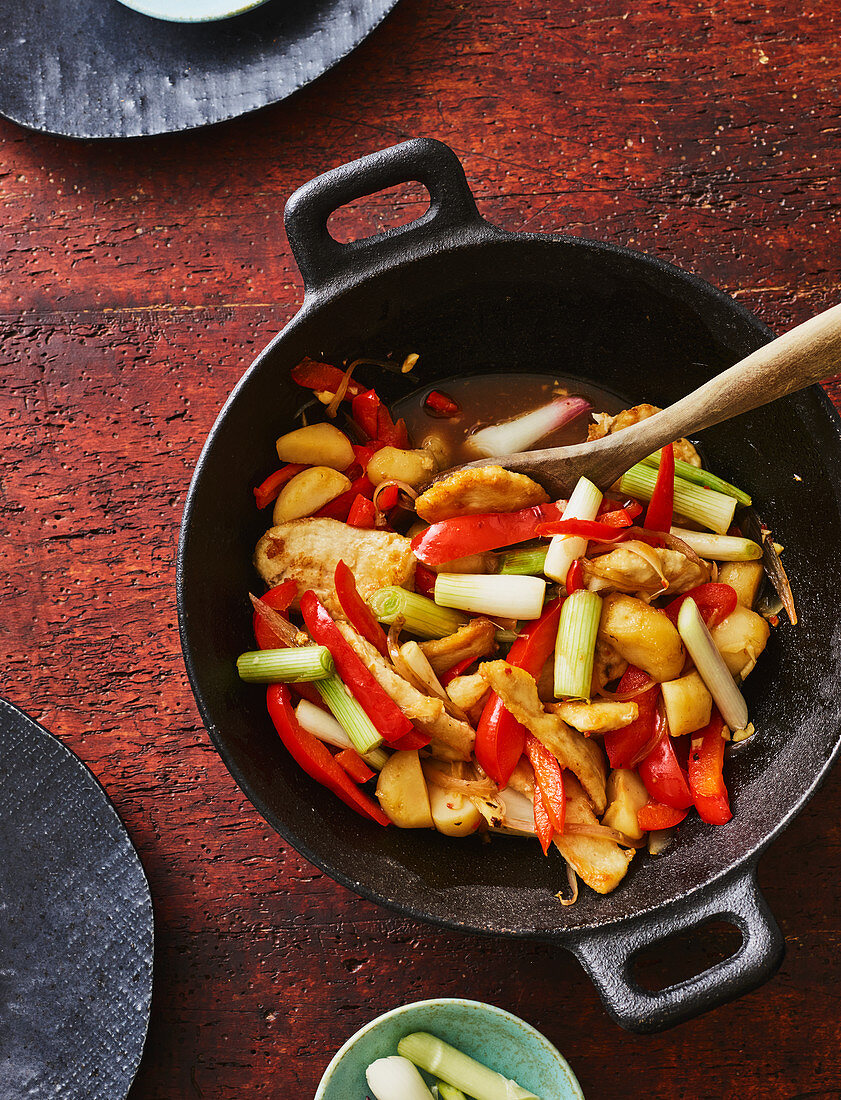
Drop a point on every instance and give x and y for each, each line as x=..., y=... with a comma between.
x=456, y=651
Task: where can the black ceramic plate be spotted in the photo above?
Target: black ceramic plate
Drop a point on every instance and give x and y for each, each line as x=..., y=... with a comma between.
x=95, y=69
x=76, y=930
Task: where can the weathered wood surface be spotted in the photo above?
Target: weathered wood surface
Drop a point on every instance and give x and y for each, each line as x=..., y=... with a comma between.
x=139, y=280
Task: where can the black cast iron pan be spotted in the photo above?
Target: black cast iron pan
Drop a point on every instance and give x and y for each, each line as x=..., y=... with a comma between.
x=471, y=298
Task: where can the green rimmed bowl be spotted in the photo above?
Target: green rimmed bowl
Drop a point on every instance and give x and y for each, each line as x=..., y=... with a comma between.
x=491, y=1035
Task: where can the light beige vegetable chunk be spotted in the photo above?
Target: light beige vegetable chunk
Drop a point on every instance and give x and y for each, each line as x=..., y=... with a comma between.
x=307, y=492
x=452, y=813
x=393, y=464
x=688, y=704
x=626, y=795
x=316, y=445
x=598, y=717
x=740, y=638
x=470, y=693
x=642, y=635
x=744, y=577
x=481, y=489
x=601, y=863
x=402, y=792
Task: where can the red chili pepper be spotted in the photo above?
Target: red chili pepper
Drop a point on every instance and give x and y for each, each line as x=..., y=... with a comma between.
x=466, y=535
x=278, y=599
x=339, y=508
x=375, y=421
x=663, y=776
x=359, y=614
x=656, y=816
x=625, y=748
x=549, y=779
x=323, y=377
x=585, y=528
x=267, y=492
x=706, y=782
x=715, y=602
x=354, y=765
x=314, y=757
x=387, y=499
x=362, y=513
x=424, y=581
x=500, y=738
x=661, y=506
x=458, y=669
x=441, y=405
x=575, y=577
x=390, y=721
x=542, y=821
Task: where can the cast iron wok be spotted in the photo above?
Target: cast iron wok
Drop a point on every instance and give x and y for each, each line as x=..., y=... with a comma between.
x=471, y=298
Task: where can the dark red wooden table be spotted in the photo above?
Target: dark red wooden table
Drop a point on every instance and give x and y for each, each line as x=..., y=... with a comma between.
x=139, y=280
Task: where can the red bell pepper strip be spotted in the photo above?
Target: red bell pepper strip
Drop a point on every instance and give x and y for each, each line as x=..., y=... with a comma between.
x=656, y=816
x=424, y=581
x=354, y=765
x=278, y=599
x=366, y=452
x=626, y=747
x=663, y=776
x=362, y=513
x=441, y=405
x=575, y=577
x=323, y=377
x=374, y=420
x=500, y=738
x=585, y=528
x=458, y=669
x=387, y=499
x=706, y=782
x=465, y=535
x=339, y=507
x=610, y=513
x=389, y=720
x=314, y=756
x=542, y=821
x=661, y=506
x=359, y=614
x=715, y=602
x=267, y=492
x=393, y=434
x=549, y=778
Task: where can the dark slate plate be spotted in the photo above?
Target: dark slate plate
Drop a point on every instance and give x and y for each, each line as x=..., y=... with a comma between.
x=76, y=932
x=96, y=69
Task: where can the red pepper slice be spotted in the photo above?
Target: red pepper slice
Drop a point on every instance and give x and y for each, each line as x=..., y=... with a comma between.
x=362, y=513
x=585, y=528
x=278, y=599
x=656, y=816
x=339, y=508
x=387, y=499
x=392, y=434
x=359, y=614
x=663, y=776
x=365, y=453
x=321, y=376
x=354, y=765
x=375, y=421
x=424, y=581
x=550, y=780
x=706, y=782
x=575, y=577
x=441, y=405
x=390, y=721
x=457, y=670
x=466, y=535
x=715, y=602
x=314, y=757
x=267, y=492
x=611, y=512
x=542, y=821
x=625, y=748
x=500, y=738
x=661, y=506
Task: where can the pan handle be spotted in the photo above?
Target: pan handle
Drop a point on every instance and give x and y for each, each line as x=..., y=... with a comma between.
x=323, y=260
x=607, y=956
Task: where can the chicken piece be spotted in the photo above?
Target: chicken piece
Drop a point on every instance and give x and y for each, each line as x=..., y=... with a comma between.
x=475, y=639
x=470, y=693
x=309, y=550
x=643, y=635
x=451, y=739
x=608, y=425
x=600, y=717
x=585, y=758
x=607, y=664
x=601, y=863
x=481, y=489
x=627, y=570
x=522, y=778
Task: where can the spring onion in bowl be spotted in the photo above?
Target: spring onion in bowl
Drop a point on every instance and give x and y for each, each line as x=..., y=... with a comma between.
x=396, y=1078
x=459, y=1070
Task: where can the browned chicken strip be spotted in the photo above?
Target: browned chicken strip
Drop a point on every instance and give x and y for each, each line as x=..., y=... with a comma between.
x=475, y=639
x=483, y=489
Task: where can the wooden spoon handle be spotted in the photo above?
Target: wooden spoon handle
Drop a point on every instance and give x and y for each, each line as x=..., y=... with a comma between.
x=800, y=357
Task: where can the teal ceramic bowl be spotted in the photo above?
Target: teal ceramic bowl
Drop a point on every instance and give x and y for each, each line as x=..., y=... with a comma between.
x=490, y=1035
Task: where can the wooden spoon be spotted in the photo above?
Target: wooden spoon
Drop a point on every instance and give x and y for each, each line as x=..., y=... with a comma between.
x=797, y=359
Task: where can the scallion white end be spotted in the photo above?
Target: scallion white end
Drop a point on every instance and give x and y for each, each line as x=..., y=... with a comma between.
x=396, y=1078
x=584, y=503
x=483, y=594
x=349, y=714
x=523, y=432
x=711, y=667
x=325, y=727
x=719, y=547
x=576, y=645
x=459, y=1069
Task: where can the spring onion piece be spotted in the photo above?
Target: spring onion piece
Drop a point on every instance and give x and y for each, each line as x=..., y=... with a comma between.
x=421, y=616
x=527, y=562
x=719, y=547
x=286, y=666
x=701, y=477
x=449, y=1092
x=711, y=667
x=459, y=1069
x=396, y=1078
x=510, y=597
x=584, y=503
x=705, y=506
x=349, y=714
x=524, y=431
x=576, y=645
x=325, y=727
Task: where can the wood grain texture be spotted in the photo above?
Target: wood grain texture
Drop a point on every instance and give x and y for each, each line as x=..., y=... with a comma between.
x=138, y=280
